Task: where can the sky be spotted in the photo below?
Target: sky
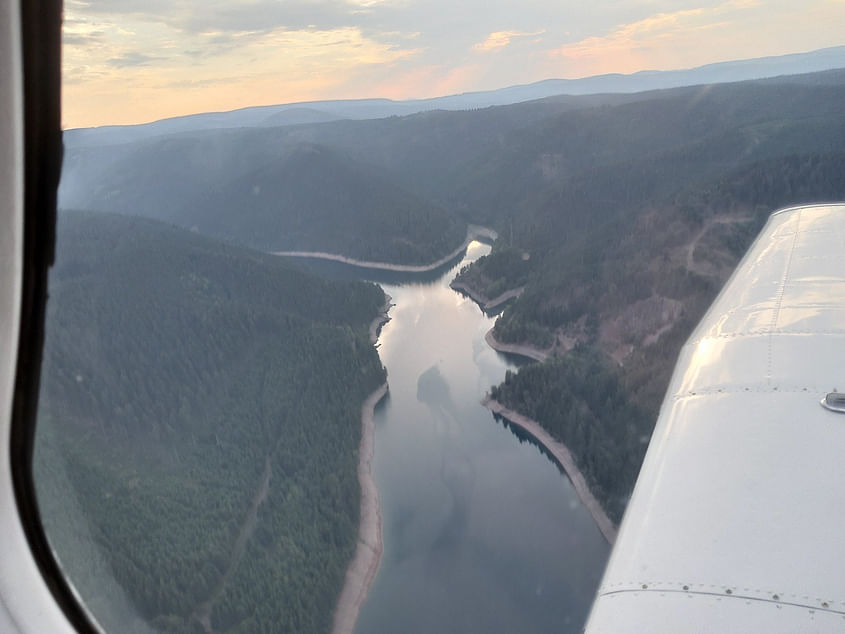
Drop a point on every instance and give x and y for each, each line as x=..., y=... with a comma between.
x=132, y=61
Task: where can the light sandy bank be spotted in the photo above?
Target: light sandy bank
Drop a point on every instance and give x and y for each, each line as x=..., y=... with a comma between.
x=516, y=348
x=473, y=233
x=362, y=571
x=364, y=566
x=481, y=299
x=564, y=457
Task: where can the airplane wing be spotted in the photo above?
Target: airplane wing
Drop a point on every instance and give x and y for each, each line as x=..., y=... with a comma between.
x=737, y=521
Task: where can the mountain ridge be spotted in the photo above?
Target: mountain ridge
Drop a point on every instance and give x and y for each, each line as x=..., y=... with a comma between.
x=261, y=116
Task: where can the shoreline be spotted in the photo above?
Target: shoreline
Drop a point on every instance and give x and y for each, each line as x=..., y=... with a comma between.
x=473, y=233
x=364, y=566
x=381, y=319
x=516, y=348
x=564, y=457
x=481, y=299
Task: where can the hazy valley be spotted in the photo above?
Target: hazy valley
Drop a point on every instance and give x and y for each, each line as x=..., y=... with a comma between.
x=619, y=217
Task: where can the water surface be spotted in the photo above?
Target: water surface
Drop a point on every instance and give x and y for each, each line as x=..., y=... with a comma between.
x=482, y=532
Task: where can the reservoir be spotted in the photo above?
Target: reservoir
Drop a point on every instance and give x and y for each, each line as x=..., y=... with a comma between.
x=482, y=531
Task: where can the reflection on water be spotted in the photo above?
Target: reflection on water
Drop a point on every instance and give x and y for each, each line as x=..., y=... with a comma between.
x=482, y=533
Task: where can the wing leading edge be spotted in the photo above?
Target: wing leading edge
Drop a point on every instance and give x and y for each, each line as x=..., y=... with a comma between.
x=737, y=521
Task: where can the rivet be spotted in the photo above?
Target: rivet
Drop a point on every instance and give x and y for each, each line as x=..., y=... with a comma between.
x=728, y=591
x=825, y=604
x=645, y=586
x=686, y=587
x=834, y=402
x=776, y=597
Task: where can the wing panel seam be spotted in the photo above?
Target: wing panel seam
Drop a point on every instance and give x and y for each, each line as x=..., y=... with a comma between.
x=725, y=595
x=781, y=293
x=763, y=333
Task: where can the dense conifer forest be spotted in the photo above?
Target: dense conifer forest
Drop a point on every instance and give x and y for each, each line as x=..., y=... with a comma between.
x=591, y=413
x=195, y=395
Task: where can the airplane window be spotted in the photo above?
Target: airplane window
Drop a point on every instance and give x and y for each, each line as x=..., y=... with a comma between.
x=362, y=312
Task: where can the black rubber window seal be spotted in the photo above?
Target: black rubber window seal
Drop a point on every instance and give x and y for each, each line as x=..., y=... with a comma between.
x=41, y=58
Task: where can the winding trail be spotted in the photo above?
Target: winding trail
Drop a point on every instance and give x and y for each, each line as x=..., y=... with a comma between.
x=717, y=220
x=564, y=458
x=203, y=611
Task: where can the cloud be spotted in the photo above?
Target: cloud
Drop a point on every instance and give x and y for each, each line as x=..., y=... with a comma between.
x=654, y=31
x=500, y=39
x=182, y=56
x=132, y=58
x=186, y=84
x=256, y=16
x=170, y=74
x=423, y=81
x=82, y=39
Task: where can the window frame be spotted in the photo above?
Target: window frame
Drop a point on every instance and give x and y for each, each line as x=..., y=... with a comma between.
x=35, y=596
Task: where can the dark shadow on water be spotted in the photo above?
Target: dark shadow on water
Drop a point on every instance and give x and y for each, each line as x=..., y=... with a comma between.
x=518, y=360
x=433, y=389
x=382, y=406
x=527, y=437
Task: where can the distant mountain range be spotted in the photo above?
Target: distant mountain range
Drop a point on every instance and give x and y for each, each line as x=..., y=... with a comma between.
x=402, y=189
x=322, y=111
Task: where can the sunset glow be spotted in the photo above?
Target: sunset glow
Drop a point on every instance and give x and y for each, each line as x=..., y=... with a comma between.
x=132, y=61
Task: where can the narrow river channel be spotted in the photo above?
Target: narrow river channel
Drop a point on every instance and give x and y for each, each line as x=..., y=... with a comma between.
x=482, y=532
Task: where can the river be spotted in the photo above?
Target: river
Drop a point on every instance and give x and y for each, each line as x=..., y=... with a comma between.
x=482, y=532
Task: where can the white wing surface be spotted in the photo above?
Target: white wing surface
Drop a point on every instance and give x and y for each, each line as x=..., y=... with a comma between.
x=737, y=521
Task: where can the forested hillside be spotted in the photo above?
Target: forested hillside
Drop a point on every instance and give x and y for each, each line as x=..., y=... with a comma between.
x=259, y=189
x=620, y=215
x=591, y=413
x=633, y=218
x=634, y=289
x=199, y=427
x=315, y=199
